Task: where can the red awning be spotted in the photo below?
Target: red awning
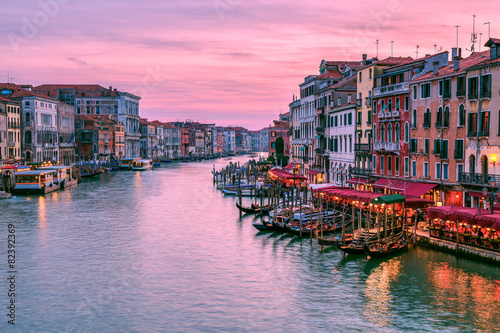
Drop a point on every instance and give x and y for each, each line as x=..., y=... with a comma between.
x=9, y=167
x=359, y=181
x=466, y=214
x=290, y=166
x=441, y=212
x=381, y=183
x=314, y=172
x=489, y=221
x=417, y=189
x=417, y=203
x=476, y=194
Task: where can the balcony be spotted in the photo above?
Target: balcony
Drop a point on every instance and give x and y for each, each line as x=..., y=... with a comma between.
x=362, y=148
x=320, y=151
x=471, y=134
x=387, y=146
x=460, y=93
x=438, y=124
x=27, y=146
x=320, y=130
x=361, y=172
x=12, y=144
x=381, y=115
x=483, y=133
x=27, y=124
x=368, y=101
x=398, y=88
x=472, y=95
x=447, y=94
x=477, y=178
x=458, y=154
x=486, y=94
x=396, y=114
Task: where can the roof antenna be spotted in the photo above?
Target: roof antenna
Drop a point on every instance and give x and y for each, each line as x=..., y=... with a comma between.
x=488, y=23
x=392, y=47
x=480, y=35
x=417, y=51
x=473, y=35
x=435, y=48
x=377, y=47
x=457, y=26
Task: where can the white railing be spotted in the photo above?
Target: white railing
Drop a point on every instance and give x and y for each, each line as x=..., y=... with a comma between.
x=387, y=146
x=391, y=89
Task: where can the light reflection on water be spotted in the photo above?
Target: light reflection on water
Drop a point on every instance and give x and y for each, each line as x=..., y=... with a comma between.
x=163, y=251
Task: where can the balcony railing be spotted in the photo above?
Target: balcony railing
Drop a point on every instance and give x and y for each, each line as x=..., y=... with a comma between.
x=471, y=134
x=447, y=94
x=478, y=178
x=391, y=89
x=12, y=144
x=438, y=124
x=320, y=151
x=386, y=146
x=320, y=130
x=460, y=93
x=396, y=114
x=427, y=125
x=472, y=95
x=368, y=101
x=486, y=94
x=361, y=172
x=27, y=146
x=483, y=133
x=362, y=148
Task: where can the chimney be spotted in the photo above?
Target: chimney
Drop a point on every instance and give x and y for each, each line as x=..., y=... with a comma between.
x=460, y=53
x=454, y=53
x=365, y=56
x=435, y=67
x=456, y=63
x=110, y=88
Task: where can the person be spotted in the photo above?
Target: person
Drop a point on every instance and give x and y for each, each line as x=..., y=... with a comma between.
x=480, y=232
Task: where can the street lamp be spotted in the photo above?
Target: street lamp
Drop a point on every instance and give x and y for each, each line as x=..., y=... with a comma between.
x=492, y=195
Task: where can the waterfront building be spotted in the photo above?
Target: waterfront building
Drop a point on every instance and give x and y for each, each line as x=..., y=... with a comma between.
x=279, y=130
x=94, y=137
x=391, y=120
x=39, y=122
x=149, y=139
x=93, y=99
x=230, y=139
x=264, y=139
x=11, y=127
x=66, y=133
x=255, y=140
x=437, y=127
x=361, y=172
x=482, y=143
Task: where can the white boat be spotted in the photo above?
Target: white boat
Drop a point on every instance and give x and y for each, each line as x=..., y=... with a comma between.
x=142, y=165
x=126, y=163
x=35, y=181
x=63, y=175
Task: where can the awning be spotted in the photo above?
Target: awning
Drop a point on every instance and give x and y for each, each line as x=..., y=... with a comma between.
x=359, y=181
x=489, y=221
x=314, y=172
x=290, y=166
x=303, y=147
x=415, y=203
x=417, y=189
x=319, y=136
x=323, y=187
x=477, y=194
x=441, y=212
x=406, y=188
x=381, y=183
x=389, y=199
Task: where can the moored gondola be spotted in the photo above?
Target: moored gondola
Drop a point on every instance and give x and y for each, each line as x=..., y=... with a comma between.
x=379, y=249
x=247, y=210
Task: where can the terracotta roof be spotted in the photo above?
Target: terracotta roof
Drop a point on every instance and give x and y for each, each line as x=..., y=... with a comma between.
x=90, y=90
x=2, y=99
x=20, y=92
x=330, y=74
x=394, y=61
x=347, y=83
x=473, y=60
x=492, y=41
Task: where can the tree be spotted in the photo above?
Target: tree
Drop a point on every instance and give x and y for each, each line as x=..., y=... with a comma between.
x=280, y=149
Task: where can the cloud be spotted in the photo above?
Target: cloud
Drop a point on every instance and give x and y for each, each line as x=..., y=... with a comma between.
x=77, y=61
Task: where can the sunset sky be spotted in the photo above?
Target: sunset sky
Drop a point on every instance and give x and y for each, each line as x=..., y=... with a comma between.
x=230, y=62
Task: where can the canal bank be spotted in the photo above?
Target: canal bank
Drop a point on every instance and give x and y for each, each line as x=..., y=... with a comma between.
x=164, y=251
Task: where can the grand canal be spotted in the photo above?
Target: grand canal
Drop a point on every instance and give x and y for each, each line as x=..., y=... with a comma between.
x=163, y=251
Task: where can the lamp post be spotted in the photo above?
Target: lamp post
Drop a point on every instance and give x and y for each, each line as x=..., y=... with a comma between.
x=492, y=195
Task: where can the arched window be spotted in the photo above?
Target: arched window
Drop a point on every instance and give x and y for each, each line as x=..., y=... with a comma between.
x=446, y=117
x=461, y=115
x=397, y=136
x=28, y=117
x=484, y=165
x=414, y=119
x=27, y=137
x=472, y=164
x=427, y=118
x=407, y=132
x=382, y=133
x=389, y=133
x=375, y=133
x=439, y=117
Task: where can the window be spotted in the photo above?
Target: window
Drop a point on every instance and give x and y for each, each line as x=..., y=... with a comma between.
x=413, y=146
x=426, y=169
x=446, y=117
x=427, y=118
x=447, y=88
x=397, y=103
x=382, y=133
x=370, y=74
x=396, y=167
x=369, y=120
x=407, y=132
x=445, y=171
x=349, y=118
x=440, y=88
x=382, y=167
x=425, y=90
x=339, y=101
x=484, y=124
x=397, y=136
x=358, y=121
x=414, y=119
x=374, y=107
x=461, y=115
x=349, y=98
x=375, y=133
x=439, y=117
x=444, y=150
x=414, y=168
x=438, y=170
x=389, y=165
x=360, y=77
x=460, y=169
x=437, y=146
x=407, y=166
x=471, y=124
x=407, y=103
x=486, y=86
x=472, y=88
x=460, y=86
x=426, y=146
x=374, y=163
x=336, y=123
x=389, y=133
x=459, y=149
x=414, y=92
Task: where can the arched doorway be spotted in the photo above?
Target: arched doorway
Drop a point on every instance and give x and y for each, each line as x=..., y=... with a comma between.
x=472, y=164
x=28, y=156
x=484, y=165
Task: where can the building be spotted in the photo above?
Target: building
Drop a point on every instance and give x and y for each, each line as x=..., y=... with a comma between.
x=391, y=127
x=10, y=112
x=93, y=99
x=66, y=133
x=279, y=130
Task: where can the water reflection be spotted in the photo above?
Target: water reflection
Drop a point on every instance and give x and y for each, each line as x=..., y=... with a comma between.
x=378, y=307
x=468, y=294
x=42, y=219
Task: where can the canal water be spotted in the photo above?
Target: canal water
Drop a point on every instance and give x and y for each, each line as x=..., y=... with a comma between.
x=163, y=251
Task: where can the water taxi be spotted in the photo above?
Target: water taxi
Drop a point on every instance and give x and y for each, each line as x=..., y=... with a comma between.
x=142, y=165
x=126, y=163
x=35, y=181
x=63, y=175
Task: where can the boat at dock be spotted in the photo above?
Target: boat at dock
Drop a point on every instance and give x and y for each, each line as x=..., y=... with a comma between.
x=63, y=175
x=126, y=163
x=35, y=182
x=384, y=249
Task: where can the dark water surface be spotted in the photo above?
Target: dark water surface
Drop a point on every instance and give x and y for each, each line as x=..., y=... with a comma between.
x=163, y=251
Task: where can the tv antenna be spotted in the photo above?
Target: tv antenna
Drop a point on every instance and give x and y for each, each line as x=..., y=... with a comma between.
x=473, y=35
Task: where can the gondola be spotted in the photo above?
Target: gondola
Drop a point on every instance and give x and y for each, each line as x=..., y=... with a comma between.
x=90, y=174
x=264, y=226
x=264, y=210
x=379, y=249
x=247, y=210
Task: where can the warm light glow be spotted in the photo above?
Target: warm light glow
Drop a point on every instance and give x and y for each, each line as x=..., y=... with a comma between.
x=493, y=158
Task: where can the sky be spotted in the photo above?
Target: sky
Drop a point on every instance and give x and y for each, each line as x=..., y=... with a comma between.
x=229, y=62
